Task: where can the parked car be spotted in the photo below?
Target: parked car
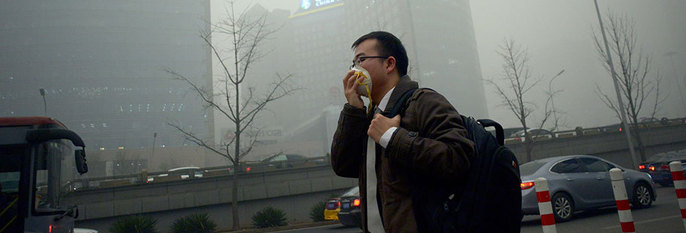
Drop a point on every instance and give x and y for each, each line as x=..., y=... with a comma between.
x=658, y=166
x=179, y=173
x=186, y=172
x=581, y=182
x=333, y=205
x=654, y=159
x=350, y=214
x=645, y=122
x=285, y=160
x=331, y=209
x=536, y=134
x=510, y=131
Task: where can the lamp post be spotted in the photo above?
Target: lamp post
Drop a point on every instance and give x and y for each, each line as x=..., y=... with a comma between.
x=552, y=102
x=45, y=104
x=154, y=138
x=620, y=102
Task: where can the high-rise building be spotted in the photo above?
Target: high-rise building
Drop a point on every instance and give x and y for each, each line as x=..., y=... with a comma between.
x=311, y=47
x=438, y=35
x=102, y=65
x=439, y=38
x=314, y=45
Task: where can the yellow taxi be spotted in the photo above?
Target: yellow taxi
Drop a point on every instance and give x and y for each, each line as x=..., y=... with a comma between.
x=333, y=205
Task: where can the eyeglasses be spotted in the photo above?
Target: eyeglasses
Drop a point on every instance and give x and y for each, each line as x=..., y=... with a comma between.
x=362, y=58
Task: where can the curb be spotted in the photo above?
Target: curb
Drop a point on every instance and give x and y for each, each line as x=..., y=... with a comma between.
x=281, y=228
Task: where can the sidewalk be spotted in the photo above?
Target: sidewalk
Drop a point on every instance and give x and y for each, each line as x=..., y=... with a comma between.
x=281, y=228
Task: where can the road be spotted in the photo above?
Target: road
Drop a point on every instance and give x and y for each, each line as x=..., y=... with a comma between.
x=663, y=217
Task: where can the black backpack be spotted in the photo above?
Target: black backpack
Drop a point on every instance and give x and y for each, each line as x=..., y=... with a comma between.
x=489, y=199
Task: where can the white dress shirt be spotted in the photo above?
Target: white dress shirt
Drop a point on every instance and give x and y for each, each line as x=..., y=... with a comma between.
x=374, y=223
x=386, y=137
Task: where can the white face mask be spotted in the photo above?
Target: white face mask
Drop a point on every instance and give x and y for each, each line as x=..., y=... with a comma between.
x=364, y=82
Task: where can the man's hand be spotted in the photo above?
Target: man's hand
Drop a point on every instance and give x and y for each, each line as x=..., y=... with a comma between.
x=349, y=88
x=380, y=124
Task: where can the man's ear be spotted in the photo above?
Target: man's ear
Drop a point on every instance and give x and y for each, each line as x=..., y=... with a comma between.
x=390, y=64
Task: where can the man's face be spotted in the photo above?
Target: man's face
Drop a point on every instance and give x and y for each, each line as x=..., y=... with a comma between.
x=374, y=64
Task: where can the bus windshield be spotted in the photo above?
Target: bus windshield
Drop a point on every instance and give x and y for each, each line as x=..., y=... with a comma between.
x=54, y=171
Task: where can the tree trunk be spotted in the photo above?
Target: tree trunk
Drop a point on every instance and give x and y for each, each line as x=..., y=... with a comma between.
x=529, y=146
x=237, y=157
x=639, y=142
x=234, y=197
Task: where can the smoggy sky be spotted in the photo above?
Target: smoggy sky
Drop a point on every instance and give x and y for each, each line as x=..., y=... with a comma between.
x=558, y=35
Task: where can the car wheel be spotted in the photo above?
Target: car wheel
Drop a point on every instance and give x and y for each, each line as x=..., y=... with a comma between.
x=563, y=207
x=642, y=196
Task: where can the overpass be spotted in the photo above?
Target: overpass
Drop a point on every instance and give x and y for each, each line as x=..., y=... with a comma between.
x=296, y=190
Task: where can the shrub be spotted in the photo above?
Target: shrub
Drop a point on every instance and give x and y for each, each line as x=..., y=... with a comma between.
x=194, y=223
x=134, y=224
x=317, y=211
x=269, y=217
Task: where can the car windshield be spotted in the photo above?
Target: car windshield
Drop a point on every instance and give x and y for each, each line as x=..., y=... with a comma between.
x=530, y=167
x=355, y=191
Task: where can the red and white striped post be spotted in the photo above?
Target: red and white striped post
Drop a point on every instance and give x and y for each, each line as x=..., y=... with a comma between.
x=680, y=187
x=625, y=218
x=544, y=207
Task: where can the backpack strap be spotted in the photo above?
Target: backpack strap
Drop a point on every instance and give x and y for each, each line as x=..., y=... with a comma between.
x=499, y=133
x=401, y=105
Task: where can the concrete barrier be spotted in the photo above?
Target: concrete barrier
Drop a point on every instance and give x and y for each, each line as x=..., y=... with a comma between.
x=626, y=220
x=680, y=187
x=544, y=207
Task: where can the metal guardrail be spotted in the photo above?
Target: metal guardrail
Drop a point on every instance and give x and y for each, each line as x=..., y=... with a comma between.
x=248, y=167
x=258, y=167
x=616, y=128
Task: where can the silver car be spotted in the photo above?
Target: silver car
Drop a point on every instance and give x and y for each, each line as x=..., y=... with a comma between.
x=580, y=182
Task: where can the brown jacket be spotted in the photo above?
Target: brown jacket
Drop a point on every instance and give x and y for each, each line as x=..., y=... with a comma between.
x=429, y=147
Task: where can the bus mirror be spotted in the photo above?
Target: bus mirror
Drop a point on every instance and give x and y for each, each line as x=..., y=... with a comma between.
x=81, y=165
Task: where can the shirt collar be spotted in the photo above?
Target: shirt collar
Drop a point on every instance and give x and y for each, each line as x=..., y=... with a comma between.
x=384, y=100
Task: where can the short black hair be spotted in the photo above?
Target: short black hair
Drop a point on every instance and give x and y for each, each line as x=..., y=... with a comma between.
x=388, y=45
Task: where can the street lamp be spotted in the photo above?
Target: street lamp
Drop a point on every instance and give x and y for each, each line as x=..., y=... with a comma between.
x=552, y=93
x=45, y=104
x=154, y=139
x=620, y=102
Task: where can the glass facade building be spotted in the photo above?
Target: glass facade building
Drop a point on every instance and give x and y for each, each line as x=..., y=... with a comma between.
x=103, y=67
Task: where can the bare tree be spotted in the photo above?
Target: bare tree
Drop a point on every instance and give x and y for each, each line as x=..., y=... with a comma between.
x=634, y=74
x=245, y=34
x=515, y=93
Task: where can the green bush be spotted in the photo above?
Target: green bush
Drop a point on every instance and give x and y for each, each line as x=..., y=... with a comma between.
x=317, y=211
x=269, y=217
x=194, y=223
x=134, y=224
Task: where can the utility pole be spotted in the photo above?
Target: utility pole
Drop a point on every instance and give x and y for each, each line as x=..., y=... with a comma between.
x=620, y=102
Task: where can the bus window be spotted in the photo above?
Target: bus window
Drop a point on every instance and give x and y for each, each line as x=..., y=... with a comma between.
x=9, y=187
x=53, y=171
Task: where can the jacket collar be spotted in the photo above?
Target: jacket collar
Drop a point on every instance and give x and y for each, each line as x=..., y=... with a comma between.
x=404, y=84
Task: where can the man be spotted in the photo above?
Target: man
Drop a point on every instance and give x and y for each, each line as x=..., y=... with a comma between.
x=426, y=149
